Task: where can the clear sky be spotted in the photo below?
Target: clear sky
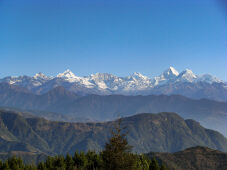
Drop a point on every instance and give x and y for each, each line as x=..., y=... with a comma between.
x=113, y=36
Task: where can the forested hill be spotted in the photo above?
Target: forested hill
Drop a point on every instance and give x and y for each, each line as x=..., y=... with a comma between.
x=201, y=158
x=164, y=132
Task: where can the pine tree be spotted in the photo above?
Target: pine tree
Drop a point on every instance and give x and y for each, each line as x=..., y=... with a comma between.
x=49, y=163
x=80, y=160
x=1, y=164
x=163, y=168
x=116, y=155
x=42, y=166
x=15, y=163
x=59, y=162
x=6, y=166
x=154, y=165
x=143, y=163
x=69, y=162
x=31, y=167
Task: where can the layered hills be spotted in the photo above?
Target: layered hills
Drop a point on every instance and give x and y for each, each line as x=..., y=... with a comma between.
x=163, y=132
x=60, y=104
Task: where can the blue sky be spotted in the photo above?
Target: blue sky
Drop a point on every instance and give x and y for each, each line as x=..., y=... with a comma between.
x=114, y=36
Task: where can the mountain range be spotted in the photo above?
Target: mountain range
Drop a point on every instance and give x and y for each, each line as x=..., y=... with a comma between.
x=163, y=132
x=61, y=105
x=169, y=82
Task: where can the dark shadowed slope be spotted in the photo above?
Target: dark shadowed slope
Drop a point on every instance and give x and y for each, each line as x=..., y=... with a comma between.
x=196, y=158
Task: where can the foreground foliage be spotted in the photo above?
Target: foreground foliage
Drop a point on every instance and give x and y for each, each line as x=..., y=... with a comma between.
x=80, y=161
x=116, y=156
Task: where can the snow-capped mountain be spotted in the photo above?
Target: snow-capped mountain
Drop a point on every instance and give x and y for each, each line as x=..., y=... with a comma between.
x=169, y=82
x=68, y=75
x=208, y=78
x=186, y=76
x=167, y=76
x=170, y=73
x=28, y=82
x=41, y=76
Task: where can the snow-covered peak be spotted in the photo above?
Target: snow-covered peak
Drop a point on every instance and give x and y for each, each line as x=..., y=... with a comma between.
x=173, y=71
x=187, y=72
x=170, y=73
x=209, y=79
x=186, y=75
x=67, y=75
x=139, y=76
x=106, y=83
x=102, y=76
x=40, y=76
x=102, y=80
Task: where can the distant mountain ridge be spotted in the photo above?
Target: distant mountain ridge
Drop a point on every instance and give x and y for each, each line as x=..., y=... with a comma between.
x=169, y=82
x=163, y=132
x=60, y=104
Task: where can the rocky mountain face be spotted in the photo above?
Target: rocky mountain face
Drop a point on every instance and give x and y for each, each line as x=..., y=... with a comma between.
x=194, y=158
x=62, y=105
x=163, y=132
x=169, y=82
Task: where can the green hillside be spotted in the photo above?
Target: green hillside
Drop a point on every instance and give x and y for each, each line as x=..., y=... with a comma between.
x=164, y=132
x=196, y=158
